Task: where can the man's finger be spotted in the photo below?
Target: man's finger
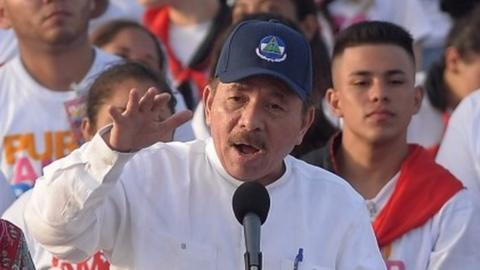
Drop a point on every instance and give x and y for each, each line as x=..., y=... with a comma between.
x=176, y=120
x=160, y=102
x=132, y=104
x=146, y=102
x=116, y=114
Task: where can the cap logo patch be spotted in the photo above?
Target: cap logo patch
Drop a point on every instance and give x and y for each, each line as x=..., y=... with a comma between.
x=272, y=49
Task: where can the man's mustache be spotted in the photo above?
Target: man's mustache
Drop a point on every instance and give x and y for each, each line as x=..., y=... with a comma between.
x=247, y=138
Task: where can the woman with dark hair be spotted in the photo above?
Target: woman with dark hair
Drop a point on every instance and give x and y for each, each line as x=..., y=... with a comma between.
x=449, y=80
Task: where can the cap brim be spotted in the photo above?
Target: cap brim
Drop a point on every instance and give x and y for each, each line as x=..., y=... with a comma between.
x=229, y=77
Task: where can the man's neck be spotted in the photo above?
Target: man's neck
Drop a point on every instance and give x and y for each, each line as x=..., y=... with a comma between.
x=57, y=68
x=368, y=167
x=187, y=13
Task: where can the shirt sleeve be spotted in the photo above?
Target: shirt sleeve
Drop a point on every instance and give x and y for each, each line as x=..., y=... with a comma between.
x=458, y=235
x=460, y=148
x=79, y=205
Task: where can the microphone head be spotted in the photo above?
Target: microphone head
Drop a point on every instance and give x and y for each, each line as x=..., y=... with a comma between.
x=251, y=197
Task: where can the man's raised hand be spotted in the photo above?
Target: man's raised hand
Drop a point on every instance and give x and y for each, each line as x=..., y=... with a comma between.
x=144, y=121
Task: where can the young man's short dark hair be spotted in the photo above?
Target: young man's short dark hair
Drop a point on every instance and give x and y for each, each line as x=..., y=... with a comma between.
x=373, y=32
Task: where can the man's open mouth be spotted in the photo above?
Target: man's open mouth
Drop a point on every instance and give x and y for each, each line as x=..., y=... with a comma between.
x=246, y=149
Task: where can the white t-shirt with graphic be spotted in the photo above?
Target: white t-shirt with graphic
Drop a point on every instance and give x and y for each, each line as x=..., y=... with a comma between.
x=34, y=129
x=448, y=240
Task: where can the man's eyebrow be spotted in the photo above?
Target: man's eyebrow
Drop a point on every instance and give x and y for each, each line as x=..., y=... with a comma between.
x=280, y=94
x=237, y=86
x=361, y=73
x=369, y=73
x=395, y=72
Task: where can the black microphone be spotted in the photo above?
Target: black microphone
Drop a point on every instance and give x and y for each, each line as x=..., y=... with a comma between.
x=251, y=203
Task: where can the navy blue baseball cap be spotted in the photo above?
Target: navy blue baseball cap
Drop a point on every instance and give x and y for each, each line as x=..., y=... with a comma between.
x=267, y=48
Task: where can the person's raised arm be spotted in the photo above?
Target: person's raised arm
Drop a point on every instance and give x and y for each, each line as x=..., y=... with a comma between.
x=79, y=205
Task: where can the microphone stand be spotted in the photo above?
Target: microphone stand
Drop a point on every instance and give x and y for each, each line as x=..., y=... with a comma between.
x=252, y=256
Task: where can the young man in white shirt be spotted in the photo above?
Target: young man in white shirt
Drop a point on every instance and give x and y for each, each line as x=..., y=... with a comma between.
x=40, y=86
x=422, y=216
x=168, y=206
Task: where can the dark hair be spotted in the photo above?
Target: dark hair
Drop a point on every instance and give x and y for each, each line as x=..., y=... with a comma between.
x=105, y=33
x=373, y=32
x=104, y=85
x=465, y=38
x=458, y=8
x=304, y=8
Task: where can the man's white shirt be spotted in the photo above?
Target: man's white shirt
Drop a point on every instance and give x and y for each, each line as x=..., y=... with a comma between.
x=169, y=207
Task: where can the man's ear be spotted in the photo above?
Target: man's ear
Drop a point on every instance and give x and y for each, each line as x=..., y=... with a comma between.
x=334, y=101
x=87, y=129
x=308, y=119
x=207, y=98
x=419, y=92
x=4, y=19
x=309, y=26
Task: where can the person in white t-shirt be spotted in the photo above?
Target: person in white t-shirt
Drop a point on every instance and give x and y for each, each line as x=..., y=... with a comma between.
x=134, y=42
x=460, y=148
x=168, y=205
x=422, y=216
x=40, y=87
x=110, y=89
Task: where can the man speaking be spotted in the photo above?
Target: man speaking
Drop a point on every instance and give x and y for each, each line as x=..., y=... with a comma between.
x=152, y=205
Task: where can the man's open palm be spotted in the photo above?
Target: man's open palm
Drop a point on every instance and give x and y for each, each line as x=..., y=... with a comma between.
x=142, y=123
